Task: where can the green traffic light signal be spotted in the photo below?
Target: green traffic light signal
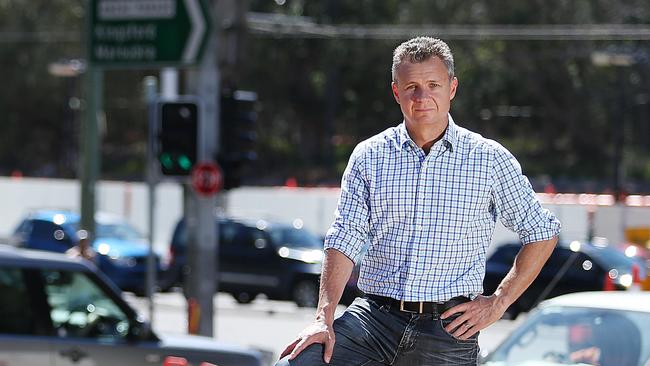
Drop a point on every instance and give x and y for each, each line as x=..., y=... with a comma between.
x=177, y=138
x=184, y=162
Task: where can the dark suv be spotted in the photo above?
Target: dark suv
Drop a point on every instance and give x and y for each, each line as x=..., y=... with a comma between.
x=572, y=267
x=279, y=260
x=56, y=310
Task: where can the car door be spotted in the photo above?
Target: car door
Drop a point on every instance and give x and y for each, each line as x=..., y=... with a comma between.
x=23, y=335
x=246, y=256
x=46, y=235
x=89, y=327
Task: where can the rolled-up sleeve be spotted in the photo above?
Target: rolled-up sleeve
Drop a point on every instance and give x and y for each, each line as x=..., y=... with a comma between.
x=349, y=231
x=516, y=202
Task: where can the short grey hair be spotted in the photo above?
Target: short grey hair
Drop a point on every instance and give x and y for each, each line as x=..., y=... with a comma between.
x=421, y=49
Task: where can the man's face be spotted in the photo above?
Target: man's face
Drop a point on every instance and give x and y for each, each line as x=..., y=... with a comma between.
x=424, y=92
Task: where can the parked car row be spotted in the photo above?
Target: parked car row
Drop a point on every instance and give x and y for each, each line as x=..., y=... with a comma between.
x=121, y=251
x=255, y=256
x=56, y=310
x=284, y=261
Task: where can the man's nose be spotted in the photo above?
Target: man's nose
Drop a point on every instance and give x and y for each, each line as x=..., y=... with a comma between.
x=420, y=93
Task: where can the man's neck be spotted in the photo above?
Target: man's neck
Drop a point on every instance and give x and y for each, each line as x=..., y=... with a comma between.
x=426, y=136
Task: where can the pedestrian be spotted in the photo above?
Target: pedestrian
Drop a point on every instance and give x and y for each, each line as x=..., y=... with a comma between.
x=82, y=248
x=425, y=195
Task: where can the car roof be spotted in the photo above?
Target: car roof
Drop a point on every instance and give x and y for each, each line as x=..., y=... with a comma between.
x=614, y=300
x=26, y=257
x=71, y=216
x=49, y=215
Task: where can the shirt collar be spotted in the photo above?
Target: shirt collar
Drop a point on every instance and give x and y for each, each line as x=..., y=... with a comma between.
x=450, y=138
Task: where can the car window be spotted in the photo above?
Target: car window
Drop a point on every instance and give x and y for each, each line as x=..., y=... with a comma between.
x=610, y=258
x=122, y=231
x=249, y=237
x=24, y=228
x=295, y=238
x=80, y=308
x=227, y=233
x=505, y=254
x=16, y=316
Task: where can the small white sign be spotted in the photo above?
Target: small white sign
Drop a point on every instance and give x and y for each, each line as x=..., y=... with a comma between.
x=136, y=9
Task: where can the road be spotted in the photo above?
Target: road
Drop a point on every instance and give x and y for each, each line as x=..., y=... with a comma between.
x=264, y=324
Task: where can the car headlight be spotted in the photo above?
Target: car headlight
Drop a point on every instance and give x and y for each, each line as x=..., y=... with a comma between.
x=307, y=256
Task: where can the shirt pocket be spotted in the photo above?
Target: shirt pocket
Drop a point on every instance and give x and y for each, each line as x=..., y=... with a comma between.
x=393, y=198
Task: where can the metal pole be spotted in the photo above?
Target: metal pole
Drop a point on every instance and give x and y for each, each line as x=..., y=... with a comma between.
x=90, y=160
x=150, y=93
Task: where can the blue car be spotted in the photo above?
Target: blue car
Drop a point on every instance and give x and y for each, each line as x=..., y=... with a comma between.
x=121, y=251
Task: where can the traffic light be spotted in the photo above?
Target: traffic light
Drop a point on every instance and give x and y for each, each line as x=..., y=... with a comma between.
x=237, y=135
x=177, y=137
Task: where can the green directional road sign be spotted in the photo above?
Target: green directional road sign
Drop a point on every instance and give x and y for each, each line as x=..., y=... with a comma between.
x=147, y=32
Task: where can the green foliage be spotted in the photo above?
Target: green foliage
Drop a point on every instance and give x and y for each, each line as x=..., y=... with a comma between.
x=318, y=97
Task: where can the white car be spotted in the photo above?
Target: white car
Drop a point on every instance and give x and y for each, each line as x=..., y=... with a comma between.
x=588, y=328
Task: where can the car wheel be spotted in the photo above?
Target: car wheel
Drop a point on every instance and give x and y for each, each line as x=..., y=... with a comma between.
x=244, y=297
x=305, y=293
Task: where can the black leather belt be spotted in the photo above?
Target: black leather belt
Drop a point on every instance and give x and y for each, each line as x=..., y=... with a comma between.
x=420, y=307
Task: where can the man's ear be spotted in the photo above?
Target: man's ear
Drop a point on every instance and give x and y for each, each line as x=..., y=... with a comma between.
x=454, y=86
x=395, y=92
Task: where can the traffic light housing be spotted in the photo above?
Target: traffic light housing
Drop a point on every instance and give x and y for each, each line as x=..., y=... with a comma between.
x=177, y=137
x=238, y=135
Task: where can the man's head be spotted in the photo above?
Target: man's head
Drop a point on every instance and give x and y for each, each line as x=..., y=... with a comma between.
x=424, y=83
x=420, y=49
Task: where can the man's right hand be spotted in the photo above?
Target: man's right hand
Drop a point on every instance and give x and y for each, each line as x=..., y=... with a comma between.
x=317, y=332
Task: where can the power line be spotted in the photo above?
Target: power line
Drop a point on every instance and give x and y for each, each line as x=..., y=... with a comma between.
x=288, y=27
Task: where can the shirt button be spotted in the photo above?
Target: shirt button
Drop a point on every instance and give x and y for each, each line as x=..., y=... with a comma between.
x=418, y=227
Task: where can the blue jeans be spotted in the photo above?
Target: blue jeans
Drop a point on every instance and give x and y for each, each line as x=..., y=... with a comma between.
x=369, y=333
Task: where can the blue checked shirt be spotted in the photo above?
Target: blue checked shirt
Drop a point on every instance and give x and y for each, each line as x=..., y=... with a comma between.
x=429, y=219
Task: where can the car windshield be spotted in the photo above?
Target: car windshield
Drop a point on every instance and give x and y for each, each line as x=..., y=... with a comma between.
x=116, y=230
x=294, y=238
x=610, y=256
x=577, y=336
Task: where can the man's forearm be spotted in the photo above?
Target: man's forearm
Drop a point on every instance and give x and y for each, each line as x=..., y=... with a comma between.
x=335, y=274
x=527, y=266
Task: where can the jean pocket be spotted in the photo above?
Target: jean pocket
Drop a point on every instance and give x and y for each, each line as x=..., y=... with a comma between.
x=445, y=322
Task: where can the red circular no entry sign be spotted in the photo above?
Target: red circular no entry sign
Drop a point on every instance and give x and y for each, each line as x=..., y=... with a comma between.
x=207, y=178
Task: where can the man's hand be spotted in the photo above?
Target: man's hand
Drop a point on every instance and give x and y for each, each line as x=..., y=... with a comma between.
x=475, y=315
x=317, y=332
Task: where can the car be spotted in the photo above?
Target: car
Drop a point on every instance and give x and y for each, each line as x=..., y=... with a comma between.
x=122, y=250
x=640, y=253
x=572, y=267
x=256, y=257
x=587, y=328
x=57, y=310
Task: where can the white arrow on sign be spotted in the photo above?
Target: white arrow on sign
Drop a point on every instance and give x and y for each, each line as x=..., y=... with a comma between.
x=193, y=44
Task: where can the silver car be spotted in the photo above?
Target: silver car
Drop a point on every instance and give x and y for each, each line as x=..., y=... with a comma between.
x=588, y=328
x=60, y=311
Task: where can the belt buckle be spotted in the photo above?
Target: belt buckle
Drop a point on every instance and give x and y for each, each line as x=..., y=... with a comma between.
x=401, y=307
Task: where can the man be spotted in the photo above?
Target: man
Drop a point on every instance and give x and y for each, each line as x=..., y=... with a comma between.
x=83, y=248
x=426, y=195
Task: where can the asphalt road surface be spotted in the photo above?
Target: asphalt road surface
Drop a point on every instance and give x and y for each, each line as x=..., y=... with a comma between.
x=264, y=324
